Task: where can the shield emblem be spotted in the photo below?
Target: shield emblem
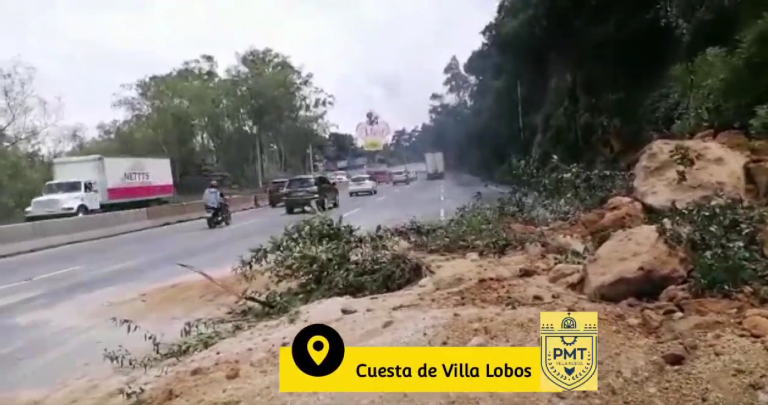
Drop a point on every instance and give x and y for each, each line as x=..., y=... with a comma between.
x=569, y=359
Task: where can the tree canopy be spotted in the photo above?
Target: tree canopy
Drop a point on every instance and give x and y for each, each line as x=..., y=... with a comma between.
x=257, y=117
x=594, y=81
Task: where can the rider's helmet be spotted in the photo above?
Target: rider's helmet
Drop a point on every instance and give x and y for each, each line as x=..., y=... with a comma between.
x=214, y=184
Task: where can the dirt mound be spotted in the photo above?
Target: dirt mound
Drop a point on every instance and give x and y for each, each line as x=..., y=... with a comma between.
x=184, y=298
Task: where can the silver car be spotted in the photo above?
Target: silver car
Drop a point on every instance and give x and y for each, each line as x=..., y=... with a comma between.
x=362, y=184
x=400, y=176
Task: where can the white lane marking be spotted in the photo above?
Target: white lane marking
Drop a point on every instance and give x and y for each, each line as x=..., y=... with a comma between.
x=442, y=199
x=123, y=264
x=381, y=198
x=31, y=279
x=55, y=273
x=243, y=223
x=13, y=285
x=351, y=212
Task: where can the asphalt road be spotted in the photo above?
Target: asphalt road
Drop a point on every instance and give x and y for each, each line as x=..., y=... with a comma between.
x=46, y=332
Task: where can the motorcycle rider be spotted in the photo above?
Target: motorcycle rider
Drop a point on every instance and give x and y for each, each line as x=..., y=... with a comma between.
x=214, y=199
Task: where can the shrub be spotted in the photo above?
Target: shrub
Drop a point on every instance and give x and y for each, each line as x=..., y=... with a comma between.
x=320, y=258
x=475, y=227
x=556, y=192
x=540, y=194
x=724, y=239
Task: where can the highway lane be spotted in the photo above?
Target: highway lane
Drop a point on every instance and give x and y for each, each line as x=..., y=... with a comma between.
x=46, y=332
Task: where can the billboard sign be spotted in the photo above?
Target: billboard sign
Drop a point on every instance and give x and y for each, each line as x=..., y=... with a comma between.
x=373, y=133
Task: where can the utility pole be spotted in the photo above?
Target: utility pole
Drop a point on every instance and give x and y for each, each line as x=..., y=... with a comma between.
x=404, y=152
x=520, y=110
x=311, y=160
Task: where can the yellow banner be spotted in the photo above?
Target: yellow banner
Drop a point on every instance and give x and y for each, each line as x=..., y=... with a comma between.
x=318, y=362
x=373, y=144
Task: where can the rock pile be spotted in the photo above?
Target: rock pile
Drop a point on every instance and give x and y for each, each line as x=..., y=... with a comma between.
x=631, y=263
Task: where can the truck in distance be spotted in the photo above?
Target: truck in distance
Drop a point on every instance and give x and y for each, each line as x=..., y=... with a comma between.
x=435, y=165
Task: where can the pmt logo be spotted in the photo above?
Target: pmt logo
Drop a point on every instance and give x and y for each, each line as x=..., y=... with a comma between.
x=569, y=349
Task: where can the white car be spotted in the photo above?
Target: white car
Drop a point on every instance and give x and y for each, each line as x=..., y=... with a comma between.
x=362, y=184
x=341, y=177
x=400, y=176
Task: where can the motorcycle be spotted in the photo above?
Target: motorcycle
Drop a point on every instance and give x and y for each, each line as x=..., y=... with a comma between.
x=214, y=219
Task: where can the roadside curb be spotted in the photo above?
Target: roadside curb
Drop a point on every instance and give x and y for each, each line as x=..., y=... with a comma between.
x=126, y=232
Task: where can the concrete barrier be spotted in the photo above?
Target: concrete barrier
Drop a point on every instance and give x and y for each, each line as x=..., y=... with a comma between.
x=175, y=210
x=34, y=236
x=68, y=226
x=195, y=209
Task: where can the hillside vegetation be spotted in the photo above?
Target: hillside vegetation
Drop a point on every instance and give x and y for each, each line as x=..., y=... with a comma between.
x=594, y=81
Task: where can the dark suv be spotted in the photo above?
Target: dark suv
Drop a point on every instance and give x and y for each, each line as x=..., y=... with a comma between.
x=276, y=192
x=302, y=191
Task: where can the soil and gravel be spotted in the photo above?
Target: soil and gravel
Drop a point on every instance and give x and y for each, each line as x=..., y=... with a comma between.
x=655, y=353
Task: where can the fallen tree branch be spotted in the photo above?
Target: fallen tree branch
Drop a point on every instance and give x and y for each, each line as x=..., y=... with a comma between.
x=242, y=296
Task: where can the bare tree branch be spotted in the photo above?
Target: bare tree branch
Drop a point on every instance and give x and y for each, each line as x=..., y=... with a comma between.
x=24, y=115
x=239, y=296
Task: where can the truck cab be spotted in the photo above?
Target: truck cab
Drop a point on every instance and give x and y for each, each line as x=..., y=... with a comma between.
x=65, y=198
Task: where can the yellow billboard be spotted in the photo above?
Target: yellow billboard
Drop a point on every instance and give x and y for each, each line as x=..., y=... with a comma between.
x=373, y=133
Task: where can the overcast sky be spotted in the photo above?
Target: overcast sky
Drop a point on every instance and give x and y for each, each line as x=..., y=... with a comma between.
x=381, y=55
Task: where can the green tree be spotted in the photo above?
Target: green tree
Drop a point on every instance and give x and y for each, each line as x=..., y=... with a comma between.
x=591, y=81
x=341, y=146
x=257, y=118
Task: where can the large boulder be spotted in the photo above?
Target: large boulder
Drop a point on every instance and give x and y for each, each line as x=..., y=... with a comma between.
x=707, y=135
x=618, y=213
x=634, y=263
x=716, y=168
x=733, y=139
x=758, y=174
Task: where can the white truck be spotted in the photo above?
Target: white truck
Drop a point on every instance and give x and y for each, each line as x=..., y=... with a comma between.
x=435, y=165
x=88, y=184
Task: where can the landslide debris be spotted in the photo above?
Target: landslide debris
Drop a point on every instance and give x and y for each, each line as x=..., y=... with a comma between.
x=672, y=256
